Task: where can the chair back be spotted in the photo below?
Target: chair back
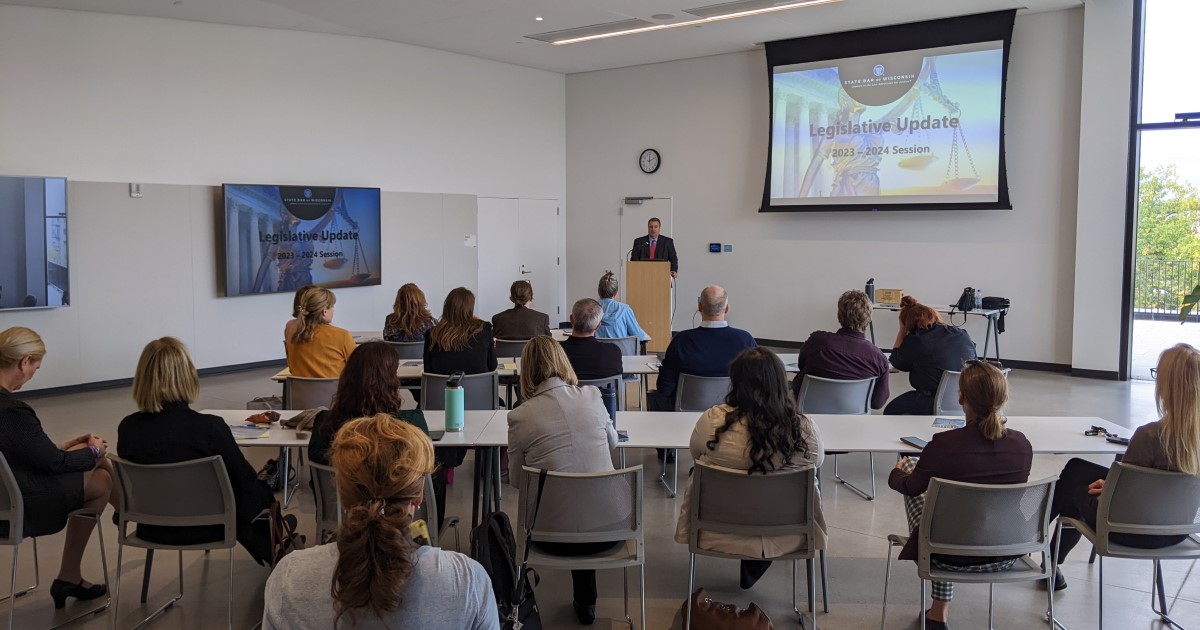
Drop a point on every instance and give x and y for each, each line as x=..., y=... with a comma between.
x=601, y=383
x=724, y=500
x=325, y=498
x=698, y=393
x=482, y=391
x=628, y=345
x=428, y=511
x=510, y=347
x=309, y=393
x=945, y=401
x=583, y=507
x=828, y=395
x=971, y=519
x=1148, y=501
x=407, y=350
x=12, y=504
x=185, y=494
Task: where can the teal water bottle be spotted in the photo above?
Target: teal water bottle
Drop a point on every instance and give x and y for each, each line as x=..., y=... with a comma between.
x=455, y=402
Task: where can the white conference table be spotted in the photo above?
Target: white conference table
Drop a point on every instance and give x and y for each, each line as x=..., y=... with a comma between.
x=487, y=432
x=364, y=336
x=285, y=439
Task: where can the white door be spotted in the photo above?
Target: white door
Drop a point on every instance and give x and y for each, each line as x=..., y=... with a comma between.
x=521, y=239
x=540, y=251
x=499, y=260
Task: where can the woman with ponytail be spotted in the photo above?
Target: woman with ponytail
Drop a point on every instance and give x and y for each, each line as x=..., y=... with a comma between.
x=316, y=348
x=1172, y=443
x=983, y=451
x=374, y=575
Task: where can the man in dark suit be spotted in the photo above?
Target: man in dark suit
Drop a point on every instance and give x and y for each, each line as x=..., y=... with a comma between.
x=654, y=246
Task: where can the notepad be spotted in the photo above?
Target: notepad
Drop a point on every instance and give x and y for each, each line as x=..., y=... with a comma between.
x=949, y=423
x=510, y=366
x=414, y=363
x=249, y=433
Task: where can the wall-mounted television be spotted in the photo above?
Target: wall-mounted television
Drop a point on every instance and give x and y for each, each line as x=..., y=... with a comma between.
x=280, y=238
x=33, y=242
x=907, y=117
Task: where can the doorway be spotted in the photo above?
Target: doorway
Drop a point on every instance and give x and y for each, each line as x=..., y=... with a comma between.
x=521, y=239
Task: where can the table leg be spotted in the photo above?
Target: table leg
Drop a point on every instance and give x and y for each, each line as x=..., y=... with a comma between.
x=996, y=334
x=871, y=327
x=497, y=476
x=477, y=488
x=286, y=457
x=987, y=336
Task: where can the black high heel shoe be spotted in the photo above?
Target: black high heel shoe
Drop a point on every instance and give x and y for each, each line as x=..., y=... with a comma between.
x=61, y=590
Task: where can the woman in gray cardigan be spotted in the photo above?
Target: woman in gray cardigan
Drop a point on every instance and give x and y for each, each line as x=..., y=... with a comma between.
x=564, y=428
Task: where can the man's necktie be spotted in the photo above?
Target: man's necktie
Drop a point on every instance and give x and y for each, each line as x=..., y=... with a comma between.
x=652, y=244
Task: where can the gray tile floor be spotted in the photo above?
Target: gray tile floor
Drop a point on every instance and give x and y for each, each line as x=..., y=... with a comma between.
x=856, y=553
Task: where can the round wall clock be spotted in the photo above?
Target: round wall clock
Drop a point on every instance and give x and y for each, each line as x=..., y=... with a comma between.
x=649, y=161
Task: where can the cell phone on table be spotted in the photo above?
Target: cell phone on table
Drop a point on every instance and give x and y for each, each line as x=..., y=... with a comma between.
x=1117, y=440
x=914, y=441
x=436, y=435
x=622, y=435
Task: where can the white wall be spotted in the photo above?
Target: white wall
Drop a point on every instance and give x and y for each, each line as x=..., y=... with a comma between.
x=105, y=100
x=709, y=119
x=1103, y=168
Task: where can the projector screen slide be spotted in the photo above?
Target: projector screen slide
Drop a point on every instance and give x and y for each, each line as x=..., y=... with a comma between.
x=906, y=117
x=919, y=126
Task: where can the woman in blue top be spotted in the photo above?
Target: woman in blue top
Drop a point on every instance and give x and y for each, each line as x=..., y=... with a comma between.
x=618, y=320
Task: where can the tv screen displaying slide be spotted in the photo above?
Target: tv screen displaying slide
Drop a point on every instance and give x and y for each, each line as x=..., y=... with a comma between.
x=33, y=242
x=280, y=238
x=914, y=128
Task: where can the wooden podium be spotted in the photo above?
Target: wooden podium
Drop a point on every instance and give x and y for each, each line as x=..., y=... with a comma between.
x=648, y=293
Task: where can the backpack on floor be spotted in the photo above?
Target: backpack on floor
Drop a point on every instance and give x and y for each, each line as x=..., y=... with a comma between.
x=494, y=546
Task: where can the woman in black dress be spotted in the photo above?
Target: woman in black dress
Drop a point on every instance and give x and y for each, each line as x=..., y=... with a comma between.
x=165, y=430
x=54, y=480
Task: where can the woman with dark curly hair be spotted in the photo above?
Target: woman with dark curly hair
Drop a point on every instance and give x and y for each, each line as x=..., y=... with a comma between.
x=758, y=430
x=375, y=575
x=410, y=317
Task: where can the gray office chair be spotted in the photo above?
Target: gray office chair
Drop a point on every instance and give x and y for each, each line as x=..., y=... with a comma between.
x=408, y=350
x=629, y=347
x=482, y=391
x=150, y=495
x=12, y=510
x=832, y=396
x=945, y=401
x=325, y=499
x=309, y=393
x=1146, y=501
x=982, y=520
x=506, y=348
x=601, y=383
x=329, y=508
x=694, y=393
x=587, y=508
x=727, y=501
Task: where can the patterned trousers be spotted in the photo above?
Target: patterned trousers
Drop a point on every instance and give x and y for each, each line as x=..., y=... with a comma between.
x=943, y=591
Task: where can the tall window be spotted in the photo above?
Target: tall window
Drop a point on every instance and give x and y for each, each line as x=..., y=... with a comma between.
x=1167, y=236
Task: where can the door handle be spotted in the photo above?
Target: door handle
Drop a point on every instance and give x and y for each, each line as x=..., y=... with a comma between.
x=523, y=271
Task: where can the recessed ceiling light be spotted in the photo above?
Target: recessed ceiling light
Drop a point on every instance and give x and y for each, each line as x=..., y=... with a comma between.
x=538, y=18
x=662, y=16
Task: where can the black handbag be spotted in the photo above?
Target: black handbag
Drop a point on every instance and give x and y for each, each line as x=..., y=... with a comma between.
x=966, y=302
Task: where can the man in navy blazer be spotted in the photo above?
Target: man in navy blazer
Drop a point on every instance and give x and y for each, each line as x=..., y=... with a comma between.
x=654, y=246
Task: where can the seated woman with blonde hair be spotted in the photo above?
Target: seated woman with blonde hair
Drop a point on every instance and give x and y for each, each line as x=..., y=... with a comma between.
x=165, y=430
x=374, y=575
x=317, y=348
x=54, y=480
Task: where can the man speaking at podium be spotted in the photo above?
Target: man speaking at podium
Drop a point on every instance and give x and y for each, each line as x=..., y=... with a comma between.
x=654, y=246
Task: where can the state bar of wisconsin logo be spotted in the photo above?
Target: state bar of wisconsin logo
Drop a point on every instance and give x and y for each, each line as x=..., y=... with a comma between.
x=308, y=191
x=879, y=70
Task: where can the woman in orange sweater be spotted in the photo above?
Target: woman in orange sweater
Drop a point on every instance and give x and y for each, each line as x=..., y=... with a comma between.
x=317, y=348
